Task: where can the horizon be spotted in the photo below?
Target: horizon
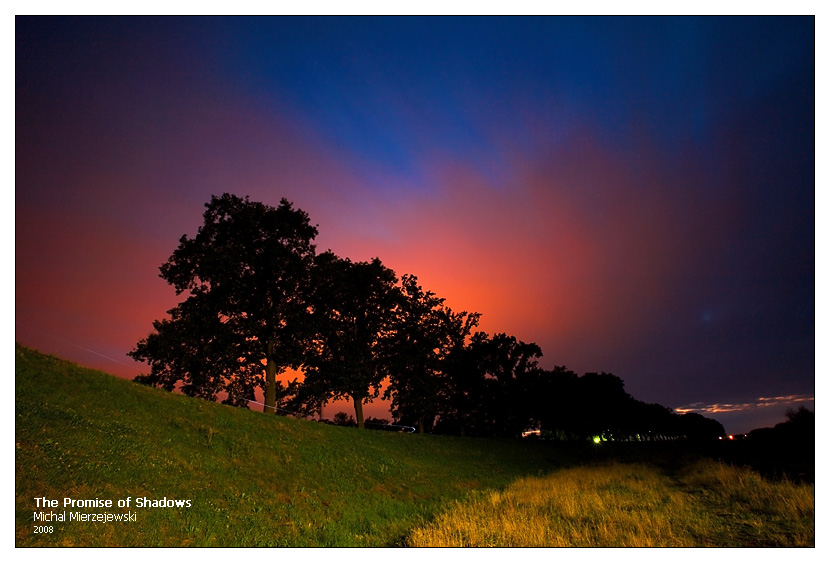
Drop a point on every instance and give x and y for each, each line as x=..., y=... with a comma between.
x=736, y=419
x=634, y=195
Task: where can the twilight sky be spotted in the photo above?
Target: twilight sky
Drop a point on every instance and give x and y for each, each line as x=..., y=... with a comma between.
x=636, y=196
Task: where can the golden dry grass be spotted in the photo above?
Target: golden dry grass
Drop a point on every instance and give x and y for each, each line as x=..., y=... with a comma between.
x=619, y=505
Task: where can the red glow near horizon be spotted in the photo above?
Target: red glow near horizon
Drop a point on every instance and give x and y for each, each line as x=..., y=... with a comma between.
x=539, y=261
x=642, y=209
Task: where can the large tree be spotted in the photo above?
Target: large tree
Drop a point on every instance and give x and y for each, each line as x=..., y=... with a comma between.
x=487, y=384
x=463, y=391
x=353, y=310
x=552, y=401
x=198, y=350
x=425, y=334
x=247, y=276
x=509, y=366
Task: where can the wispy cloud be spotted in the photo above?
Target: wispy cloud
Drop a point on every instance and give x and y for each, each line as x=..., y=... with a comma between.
x=760, y=402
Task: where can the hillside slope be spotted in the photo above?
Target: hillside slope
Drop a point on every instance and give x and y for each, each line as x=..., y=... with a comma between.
x=251, y=479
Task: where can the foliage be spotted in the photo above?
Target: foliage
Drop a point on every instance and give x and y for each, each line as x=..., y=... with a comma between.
x=353, y=306
x=786, y=450
x=596, y=404
x=501, y=367
x=196, y=349
x=459, y=395
x=697, y=427
x=247, y=274
x=343, y=419
x=424, y=335
x=260, y=300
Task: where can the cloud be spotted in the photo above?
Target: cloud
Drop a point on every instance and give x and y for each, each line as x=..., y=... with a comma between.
x=760, y=402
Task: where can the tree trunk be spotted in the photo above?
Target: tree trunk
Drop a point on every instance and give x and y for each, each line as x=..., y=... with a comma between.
x=358, y=411
x=421, y=425
x=270, y=382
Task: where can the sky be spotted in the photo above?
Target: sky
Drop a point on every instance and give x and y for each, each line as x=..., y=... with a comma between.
x=634, y=195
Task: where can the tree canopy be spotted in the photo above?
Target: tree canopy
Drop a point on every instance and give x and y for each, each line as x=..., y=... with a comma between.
x=247, y=272
x=258, y=299
x=353, y=313
x=424, y=336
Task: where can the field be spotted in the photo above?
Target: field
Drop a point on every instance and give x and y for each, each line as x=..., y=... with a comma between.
x=257, y=480
x=631, y=505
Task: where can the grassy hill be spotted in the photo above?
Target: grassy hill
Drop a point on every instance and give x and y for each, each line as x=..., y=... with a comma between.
x=258, y=480
x=252, y=479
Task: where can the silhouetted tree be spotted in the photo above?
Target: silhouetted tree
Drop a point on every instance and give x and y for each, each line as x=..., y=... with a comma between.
x=650, y=419
x=247, y=273
x=424, y=334
x=802, y=418
x=308, y=397
x=343, y=419
x=353, y=312
x=551, y=400
x=602, y=401
x=461, y=394
x=485, y=389
x=799, y=429
x=510, y=366
x=375, y=421
x=198, y=350
x=697, y=427
x=568, y=407
x=788, y=449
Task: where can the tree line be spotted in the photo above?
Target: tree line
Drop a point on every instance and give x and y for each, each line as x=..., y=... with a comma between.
x=259, y=299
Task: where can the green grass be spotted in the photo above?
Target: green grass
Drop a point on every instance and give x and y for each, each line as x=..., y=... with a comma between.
x=257, y=480
x=254, y=480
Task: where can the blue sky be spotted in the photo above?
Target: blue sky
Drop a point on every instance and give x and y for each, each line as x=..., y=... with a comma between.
x=635, y=195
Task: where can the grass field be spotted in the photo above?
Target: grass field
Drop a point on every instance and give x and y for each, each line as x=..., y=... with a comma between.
x=631, y=505
x=257, y=480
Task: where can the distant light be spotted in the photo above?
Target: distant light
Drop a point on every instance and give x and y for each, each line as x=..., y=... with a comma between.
x=596, y=439
x=731, y=437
